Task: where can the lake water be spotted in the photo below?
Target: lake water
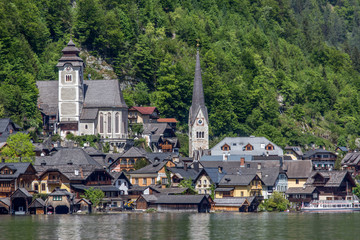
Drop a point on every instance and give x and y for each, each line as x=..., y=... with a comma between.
x=182, y=226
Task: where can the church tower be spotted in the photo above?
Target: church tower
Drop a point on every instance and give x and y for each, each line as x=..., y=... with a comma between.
x=198, y=115
x=71, y=89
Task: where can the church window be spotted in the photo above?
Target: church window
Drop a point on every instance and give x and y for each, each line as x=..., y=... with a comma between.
x=109, y=122
x=117, y=122
x=197, y=134
x=86, y=126
x=101, y=123
x=68, y=78
x=202, y=134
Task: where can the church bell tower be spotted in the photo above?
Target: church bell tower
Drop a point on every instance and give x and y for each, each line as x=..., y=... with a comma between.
x=71, y=89
x=198, y=115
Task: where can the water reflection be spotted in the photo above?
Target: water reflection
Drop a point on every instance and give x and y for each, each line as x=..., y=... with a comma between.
x=181, y=226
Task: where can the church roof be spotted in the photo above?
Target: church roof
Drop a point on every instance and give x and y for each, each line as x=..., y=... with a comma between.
x=48, y=96
x=198, y=99
x=70, y=55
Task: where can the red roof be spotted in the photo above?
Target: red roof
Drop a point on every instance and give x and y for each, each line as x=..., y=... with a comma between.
x=143, y=110
x=167, y=120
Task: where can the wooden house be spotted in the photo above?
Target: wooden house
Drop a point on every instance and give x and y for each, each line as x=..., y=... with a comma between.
x=14, y=176
x=126, y=162
x=20, y=201
x=38, y=206
x=234, y=204
x=166, y=203
x=60, y=201
x=294, y=152
x=321, y=159
x=160, y=137
x=297, y=172
x=83, y=205
x=143, y=114
x=332, y=185
x=300, y=195
x=351, y=163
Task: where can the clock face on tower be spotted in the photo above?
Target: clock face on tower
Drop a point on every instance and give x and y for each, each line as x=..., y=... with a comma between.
x=200, y=122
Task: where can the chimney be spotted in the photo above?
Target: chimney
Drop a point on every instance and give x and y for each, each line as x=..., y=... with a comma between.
x=220, y=169
x=196, y=166
x=281, y=162
x=259, y=166
x=185, y=166
x=242, y=162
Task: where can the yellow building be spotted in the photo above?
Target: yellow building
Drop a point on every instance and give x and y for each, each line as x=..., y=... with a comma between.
x=297, y=172
x=152, y=174
x=49, y=180
x=236, y=185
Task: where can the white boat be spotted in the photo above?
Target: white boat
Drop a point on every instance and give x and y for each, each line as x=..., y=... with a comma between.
x=332, y=206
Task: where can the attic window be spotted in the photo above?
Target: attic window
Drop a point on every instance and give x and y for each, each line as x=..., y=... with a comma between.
x=269, y=147
x=248, y=147
x=68, y=78
x=225, y=147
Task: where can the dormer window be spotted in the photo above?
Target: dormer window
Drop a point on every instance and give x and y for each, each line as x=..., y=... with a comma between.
x=225, y=147
x=269, y=147
x=248, y=147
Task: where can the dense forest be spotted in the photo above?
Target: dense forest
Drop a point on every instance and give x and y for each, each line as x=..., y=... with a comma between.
x=285, y=69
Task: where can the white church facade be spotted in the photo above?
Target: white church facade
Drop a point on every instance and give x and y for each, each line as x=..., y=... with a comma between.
x=82, y=107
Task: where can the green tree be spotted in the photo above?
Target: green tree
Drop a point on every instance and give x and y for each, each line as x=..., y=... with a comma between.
x=95, y=196
x=276, y=202
x=19, y=148
x=140, y=163
x=188, y=183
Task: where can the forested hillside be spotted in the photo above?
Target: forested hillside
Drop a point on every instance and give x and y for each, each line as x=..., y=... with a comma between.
x=285, y=69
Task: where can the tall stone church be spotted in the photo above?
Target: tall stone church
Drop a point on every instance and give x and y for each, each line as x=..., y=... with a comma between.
x=82, y=107
x=198, y=115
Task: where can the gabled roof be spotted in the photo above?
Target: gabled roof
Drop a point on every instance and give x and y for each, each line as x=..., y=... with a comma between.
x=72, y=172
x=18, y=167
x=295, y=149
x=311, y=152
x=4, y=122
x=335, y=178
x=190, y=173
x=300, y=190
x=5, y=201
x=153, y=157
x=119, y=175
x=48, y=96
x=60, y=192
x=237, y=145
x=180, y=199
x=21, y=192
x=89, y=113
x=37, y=203
x=231, y=201
x=169, y=191
x=213, y=174
x=66, y=156
x=237, y=179
x=155, y=128
x=351, y=159
x=143, y=110
x=298, y=168
x=150, y=169
x=134, y=152
x=343, y=149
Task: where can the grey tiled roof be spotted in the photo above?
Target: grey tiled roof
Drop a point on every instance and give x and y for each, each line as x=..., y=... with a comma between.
x=230, y=201
x=37, y=203
x=64, y=156
x=6, y=201
x=103, y=93
x=134, y=152
x=159, y=156
x=335, y=178
x=48, y=96
x=237, y=145
x=104, y=188
x=155, y=128
x=214, y=174
x=237, y=179
x=185, y=174
x=89, y=113
x=224, y=189
x=4, y=122
x=20, y=169
x=300, y=190
x=298, y=168
x=60, y=192
x=309, y=153
x=351, y=159
x=179, y=199
x=83, y=171
x=149, y=169
x=170, y=191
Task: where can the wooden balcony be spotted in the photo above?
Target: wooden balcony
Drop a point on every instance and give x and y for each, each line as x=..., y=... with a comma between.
x=54, y=181
x=108, y=182
x=5, y=189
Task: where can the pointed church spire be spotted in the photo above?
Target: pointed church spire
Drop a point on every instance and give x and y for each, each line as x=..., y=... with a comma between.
x=198, y=99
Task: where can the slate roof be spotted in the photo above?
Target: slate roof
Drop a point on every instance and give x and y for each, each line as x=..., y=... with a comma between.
x=351, y=159
x=155, y=128
x=159, y=156
x=6, y=201
x=70, y=54
x=230, y=201
x=119, y=175
x=4, y=122
x=300, y=190
x=64, y=156
x=134, y=152
x=224, y=189
x=48, y=96
x=298, y=168
x=335, y=178
x=149, y=197
x=190, y=173
x=198, y=99
x=98, y=94
x=150, y=169
x=89, y=113
x=237, y=146
x=20, y=167
x=343, y=149
x=213, y=173
x=143, y=110
x=311, y=152
x=24, y=191
x=104, y=188
x=37, y=203
x=237, y=179
x=296, y=149
x=60, y=192
x=170, y=191
x=231, y=158
x=179, y=199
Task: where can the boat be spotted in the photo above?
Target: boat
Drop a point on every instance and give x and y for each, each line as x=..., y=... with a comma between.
x=332, y=206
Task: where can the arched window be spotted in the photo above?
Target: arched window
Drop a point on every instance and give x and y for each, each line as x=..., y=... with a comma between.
x=225, y=147
x=197, y=134
x=202, y=134
x=109, y=122
x=117, y=122
x=68, y=78
x=269, y=147
x=101, y=123
x=248, y=147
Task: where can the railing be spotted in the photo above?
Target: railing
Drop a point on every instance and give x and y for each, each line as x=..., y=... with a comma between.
x=5, y=189
x=54, y=181
x=99, y=182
